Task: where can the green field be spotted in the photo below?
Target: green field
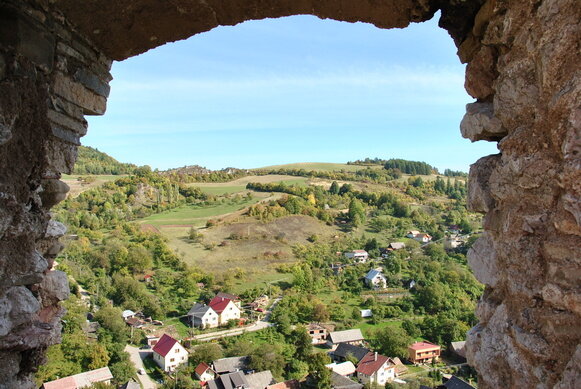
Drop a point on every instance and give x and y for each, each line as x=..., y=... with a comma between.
x=195, y=214
x=239, y=185
x=260, y=280
x=320, y=166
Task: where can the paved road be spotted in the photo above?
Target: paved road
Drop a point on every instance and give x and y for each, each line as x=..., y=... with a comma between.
x=137, y=356
x=259, y=325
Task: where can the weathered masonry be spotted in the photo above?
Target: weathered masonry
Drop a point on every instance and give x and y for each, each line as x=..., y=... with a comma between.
x=523, y=70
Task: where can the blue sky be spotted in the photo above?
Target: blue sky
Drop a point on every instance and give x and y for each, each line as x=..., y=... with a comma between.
x=296, y=89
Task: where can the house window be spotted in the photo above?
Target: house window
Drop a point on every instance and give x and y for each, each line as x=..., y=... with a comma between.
x=172, y=360
x=177, y=350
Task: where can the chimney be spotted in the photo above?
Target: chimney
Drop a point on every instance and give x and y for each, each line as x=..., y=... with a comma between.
x=375, y=357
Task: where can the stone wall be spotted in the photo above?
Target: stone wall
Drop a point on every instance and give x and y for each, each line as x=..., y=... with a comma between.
x=530, y=255
x=49, y=78
x=523, y=70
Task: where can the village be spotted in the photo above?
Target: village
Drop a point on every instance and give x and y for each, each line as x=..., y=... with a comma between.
x=354, y=363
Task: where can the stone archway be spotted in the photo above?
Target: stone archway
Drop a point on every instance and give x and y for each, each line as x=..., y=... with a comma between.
x=523, y=68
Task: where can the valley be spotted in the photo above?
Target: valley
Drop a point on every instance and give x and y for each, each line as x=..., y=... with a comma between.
x=156, y=243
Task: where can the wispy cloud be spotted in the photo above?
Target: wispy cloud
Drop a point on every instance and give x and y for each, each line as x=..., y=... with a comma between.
x=361, y=78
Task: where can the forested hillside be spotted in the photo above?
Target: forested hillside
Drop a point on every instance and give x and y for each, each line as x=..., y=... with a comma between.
x=93, y=161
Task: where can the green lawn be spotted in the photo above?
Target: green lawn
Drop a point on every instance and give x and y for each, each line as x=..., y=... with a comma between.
x=180, y=327
x=368, y=327
x=260, y=279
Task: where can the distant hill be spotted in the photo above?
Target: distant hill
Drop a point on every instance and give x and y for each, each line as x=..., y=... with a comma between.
x=317, y=166
x=93, y=161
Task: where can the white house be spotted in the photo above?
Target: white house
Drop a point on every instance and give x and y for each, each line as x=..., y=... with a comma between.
x=127, y=314
x=423, y=238
x=452, y=243
x=204, y=372
x=168, y=353
x=203, y=316
x=225, y=308
x=359, y=256
x=412, y=234
x=375, y=368
x=376, y=279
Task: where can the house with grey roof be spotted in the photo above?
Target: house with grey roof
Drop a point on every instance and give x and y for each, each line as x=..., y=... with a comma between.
x=345, y=351
x=231, y=365
x=375, y=279
x=235, y=380
x=340, y=382
x=203, y=316
x=354, y=337
x=260, y=380
x=456, y=383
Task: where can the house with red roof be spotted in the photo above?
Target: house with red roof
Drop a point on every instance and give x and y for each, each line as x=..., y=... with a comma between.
x=204, y=372
x=168, y=353
x=225, y=308
x=375, y=369
x=423, y=352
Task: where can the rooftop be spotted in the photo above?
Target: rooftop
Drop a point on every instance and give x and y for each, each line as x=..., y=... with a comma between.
x=344, y=349
x=218, y=304
x=423, y=346
x=229, y=381
x=230, y=365
x=344, y=368
x=346, y=336
x=164, y=345
x=260, y=380
x=80, y=380
x=371, y=363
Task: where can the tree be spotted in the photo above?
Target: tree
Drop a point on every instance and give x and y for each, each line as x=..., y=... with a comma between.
x=319, y=374
x=356, y=212
x=206, y=352
x=302, y=341
x=111, y=320
x=411, y=328
x=268, y=357
x=432, y=297
x=320, y=313
x=334, y=189
x=391, y=341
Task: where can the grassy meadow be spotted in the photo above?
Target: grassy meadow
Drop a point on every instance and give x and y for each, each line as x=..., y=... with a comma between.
x=78, y=187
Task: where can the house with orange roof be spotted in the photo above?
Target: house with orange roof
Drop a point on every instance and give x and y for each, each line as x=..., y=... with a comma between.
x=204, y=372
x=423, y=352
x=168, y=353
x=375, y=368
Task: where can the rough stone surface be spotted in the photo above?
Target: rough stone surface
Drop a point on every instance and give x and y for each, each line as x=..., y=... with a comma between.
x=523, y=67
x=479, y=123
x=39, y=132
